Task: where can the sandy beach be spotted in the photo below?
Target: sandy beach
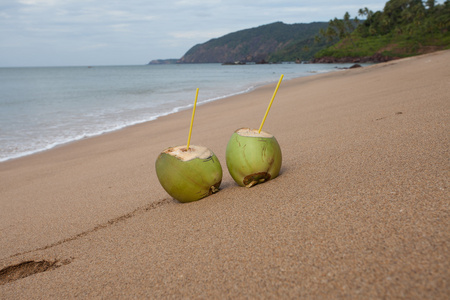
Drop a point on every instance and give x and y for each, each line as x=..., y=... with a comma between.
x=360, y=209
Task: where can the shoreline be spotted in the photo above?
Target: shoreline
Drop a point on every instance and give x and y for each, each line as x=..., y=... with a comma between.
x=93, y=135
x=359, y=209
x=173, y=111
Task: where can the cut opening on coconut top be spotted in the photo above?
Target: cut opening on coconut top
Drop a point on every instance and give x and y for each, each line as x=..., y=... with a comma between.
x=184, y=154
x=253, y=133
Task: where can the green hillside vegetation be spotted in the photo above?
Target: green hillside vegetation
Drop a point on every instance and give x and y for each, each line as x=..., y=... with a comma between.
x=303, y=50
x=404, y=28
x=272, y=42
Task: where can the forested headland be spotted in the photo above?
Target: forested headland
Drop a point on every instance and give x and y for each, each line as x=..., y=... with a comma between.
x=403, y=28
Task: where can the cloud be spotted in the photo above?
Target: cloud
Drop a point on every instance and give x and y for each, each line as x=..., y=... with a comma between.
x=197, y=3
x=38, y=2
x=4, y=15
x=197, y=34
x=92, y=46
x=120, y=27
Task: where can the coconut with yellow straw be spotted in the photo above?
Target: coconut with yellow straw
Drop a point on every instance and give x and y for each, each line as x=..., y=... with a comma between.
x=189, y=172
x=253, y=156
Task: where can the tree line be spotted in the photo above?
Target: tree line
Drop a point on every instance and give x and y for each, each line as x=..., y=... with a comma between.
x=420, y=22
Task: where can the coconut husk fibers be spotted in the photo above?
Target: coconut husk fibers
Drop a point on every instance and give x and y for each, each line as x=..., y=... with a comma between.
x=360, y=209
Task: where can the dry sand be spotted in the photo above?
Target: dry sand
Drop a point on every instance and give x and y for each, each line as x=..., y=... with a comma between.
x=360, y=209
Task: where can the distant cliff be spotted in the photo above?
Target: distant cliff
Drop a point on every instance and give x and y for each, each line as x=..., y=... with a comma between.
x=261, y=44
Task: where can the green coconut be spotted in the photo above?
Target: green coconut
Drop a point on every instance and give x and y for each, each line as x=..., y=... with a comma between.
x=189, y=174
x=253, y=157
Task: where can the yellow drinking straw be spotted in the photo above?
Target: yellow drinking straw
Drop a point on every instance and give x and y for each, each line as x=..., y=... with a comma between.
x=270, y=104
x=192, y=120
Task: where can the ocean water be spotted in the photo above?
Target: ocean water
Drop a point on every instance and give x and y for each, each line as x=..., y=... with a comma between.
x=41, y=108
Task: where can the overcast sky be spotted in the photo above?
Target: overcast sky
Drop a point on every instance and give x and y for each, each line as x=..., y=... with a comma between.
x=133, y=32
